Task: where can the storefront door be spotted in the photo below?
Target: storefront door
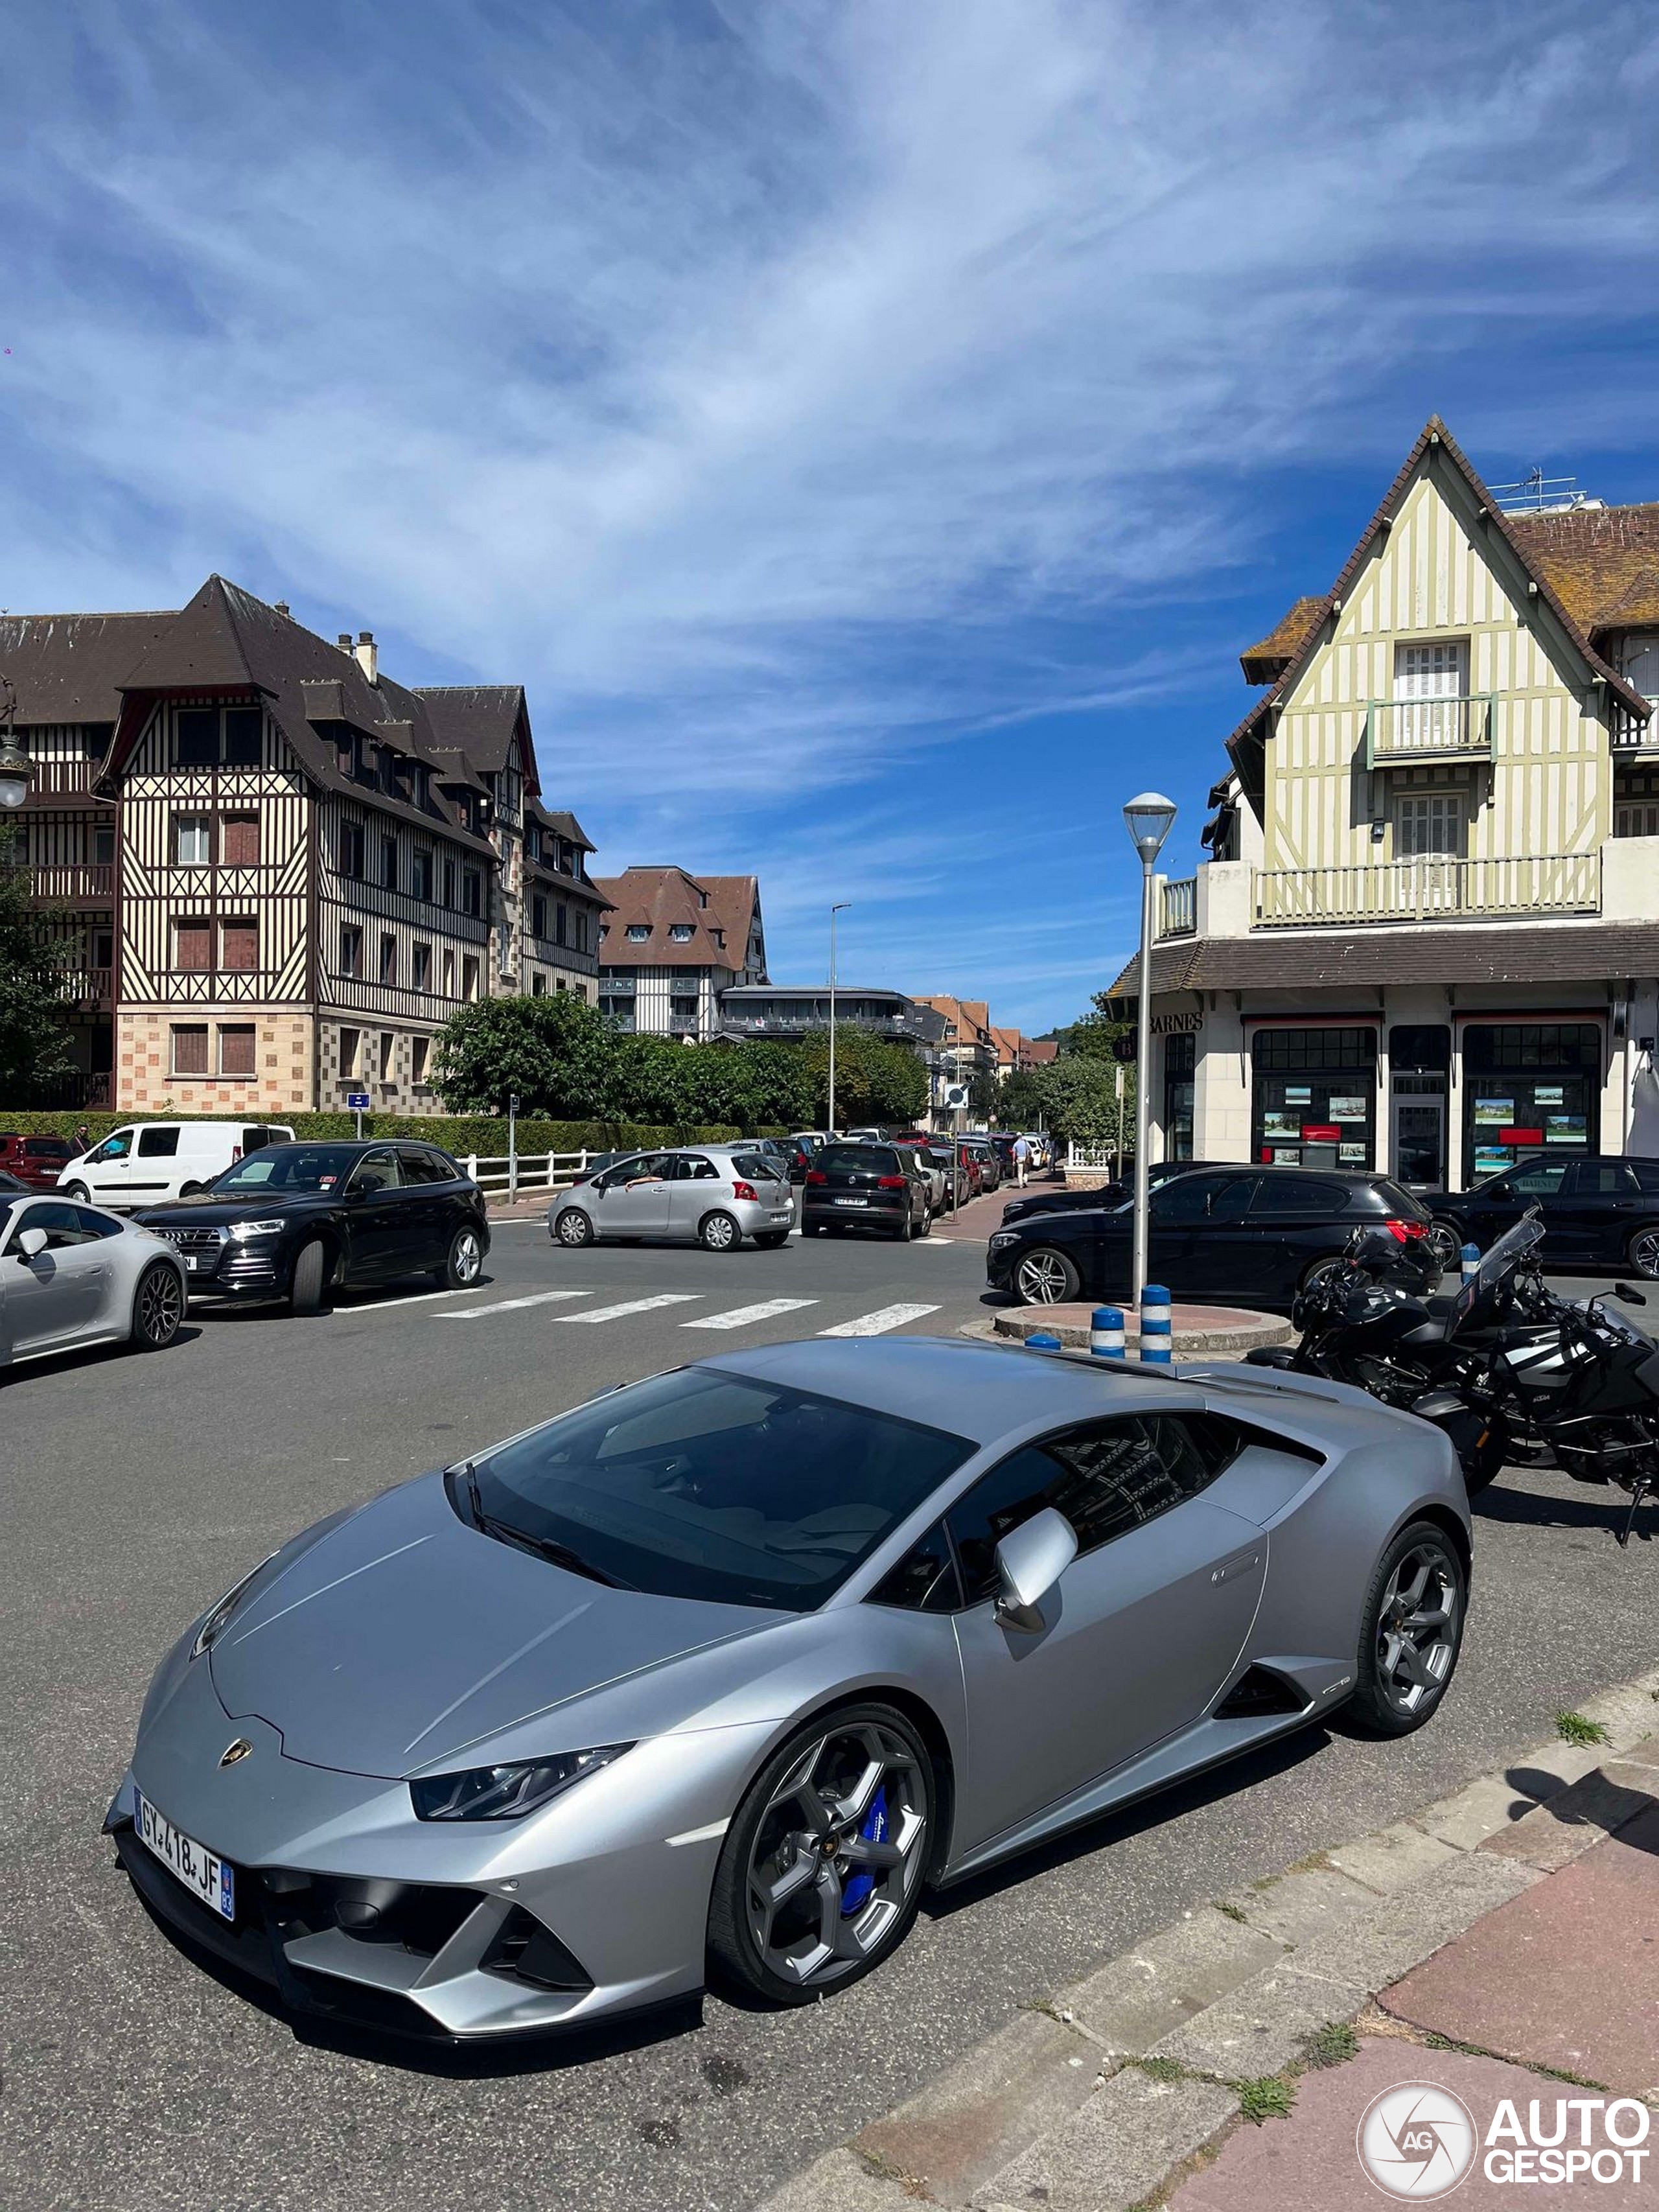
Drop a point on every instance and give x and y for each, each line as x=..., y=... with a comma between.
x=1418, y=1151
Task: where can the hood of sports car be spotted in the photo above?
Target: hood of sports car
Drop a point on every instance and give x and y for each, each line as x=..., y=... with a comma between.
x=405, y=1636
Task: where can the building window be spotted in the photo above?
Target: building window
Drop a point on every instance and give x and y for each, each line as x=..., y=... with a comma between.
x=193, y=841
x=351, y=1042
x=1430, y=827
x=1179, y=1063
x=419, y=1049
x=190, y=1048
x=351, y=850
x=239, y=944
x=103, y=847
x=236, y=1047
x=388, y=1043
x=582, y=933
x=351, y=949
x=421, y=875
x=192, y=946
x=472, y=893
x=1314, y=1097
x=421, y=967
x=538, y=985
x=209, y=737
x=388, y=957
x=239, y=840
x=1636, y=819
x=1641, y=663
x=581, y=990
x=1430, y=689
x=469, y=976
x=538, y=917
x=449, y=973
x=103, y=948
x=1530, y=1087
x=449, y=883
x=562, y=923
x=679, y=932
x=389, y=864
x=639, y=933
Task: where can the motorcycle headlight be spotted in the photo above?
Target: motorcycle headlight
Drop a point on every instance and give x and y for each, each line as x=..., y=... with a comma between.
x=213, y=1627
x=507, y=1793
x=254, y=1228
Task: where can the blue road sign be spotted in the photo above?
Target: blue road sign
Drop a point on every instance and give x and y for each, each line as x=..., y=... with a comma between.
x=357, y=1101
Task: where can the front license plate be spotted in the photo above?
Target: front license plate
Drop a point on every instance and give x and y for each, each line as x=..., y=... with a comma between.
x=852, y=1202
x=192, y=1262
x=203, y=1872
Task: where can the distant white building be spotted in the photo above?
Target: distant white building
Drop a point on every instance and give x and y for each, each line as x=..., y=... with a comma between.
x=672, y=944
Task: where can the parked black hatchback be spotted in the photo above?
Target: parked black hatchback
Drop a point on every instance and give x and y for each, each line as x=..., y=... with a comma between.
x=295, y=1221
x=879, y=1186
x=1600, y=1213
x=1236, y=1236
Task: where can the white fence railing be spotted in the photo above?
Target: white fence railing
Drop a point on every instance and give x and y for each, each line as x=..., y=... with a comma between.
x=1431, y=889
x=515, y=1175
x=1093, y=1159
x=1177, y=910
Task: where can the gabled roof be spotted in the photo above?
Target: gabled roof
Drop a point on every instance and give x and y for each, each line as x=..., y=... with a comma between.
x=68, y=668
x=487, y=721
x=562, y=824
x=1602, y=562
x=1245, y=744
x=661, y=900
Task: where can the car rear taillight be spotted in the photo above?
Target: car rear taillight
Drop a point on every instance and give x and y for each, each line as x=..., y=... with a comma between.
x=817, y=1175
x=890, y=1182
x=235, y=1154
x=1404, y=1231
x=743, y=1190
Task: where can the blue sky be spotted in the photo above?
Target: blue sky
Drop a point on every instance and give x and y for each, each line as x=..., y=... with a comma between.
x=870, y=431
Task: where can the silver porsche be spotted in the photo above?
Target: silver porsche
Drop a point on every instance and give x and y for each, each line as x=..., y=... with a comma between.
x=72, y=1276
x=707, y=1680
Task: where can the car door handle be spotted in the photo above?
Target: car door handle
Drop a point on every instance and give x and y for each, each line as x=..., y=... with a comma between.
x=1240, y=1564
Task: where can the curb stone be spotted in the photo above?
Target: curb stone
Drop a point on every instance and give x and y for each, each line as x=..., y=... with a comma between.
x=1091, y=2100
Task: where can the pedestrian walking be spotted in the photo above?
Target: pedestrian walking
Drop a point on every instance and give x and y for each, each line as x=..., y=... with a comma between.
x=1022, y=1158
x=82, y=1140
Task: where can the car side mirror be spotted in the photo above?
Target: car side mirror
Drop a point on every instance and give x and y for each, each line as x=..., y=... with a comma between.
x=1031, y=1560
x=31, y=1244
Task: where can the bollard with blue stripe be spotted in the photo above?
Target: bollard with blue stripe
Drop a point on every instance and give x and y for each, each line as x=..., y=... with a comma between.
x=1471, y=1260
x=1155, y=1348
x=1042, y=1342
x=1106, y=1333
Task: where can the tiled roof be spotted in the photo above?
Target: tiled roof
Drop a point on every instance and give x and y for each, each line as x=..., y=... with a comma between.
x=1265, y=662
x=663, y=899
x=1041, y=1050
x=1603, y=564
x=482, y=719
x=1463, y=952
x=68, y=668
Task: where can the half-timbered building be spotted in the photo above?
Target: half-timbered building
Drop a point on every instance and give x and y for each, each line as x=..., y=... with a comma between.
x=1426, y=939
x=306, y=867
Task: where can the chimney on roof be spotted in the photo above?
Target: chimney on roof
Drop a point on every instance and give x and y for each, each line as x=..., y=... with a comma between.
x=284, y=609
x=344, y=641
x=366, y=656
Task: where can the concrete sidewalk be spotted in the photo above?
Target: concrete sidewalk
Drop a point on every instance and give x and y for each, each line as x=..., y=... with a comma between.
x=1500, y=1944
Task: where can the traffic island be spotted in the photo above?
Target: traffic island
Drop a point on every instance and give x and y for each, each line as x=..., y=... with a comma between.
x=1230, y=1330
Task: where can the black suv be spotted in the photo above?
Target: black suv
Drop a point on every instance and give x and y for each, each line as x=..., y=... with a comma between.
x=294, y=1221
x=866, y=1186
x=1237, y=1237
x=1600, y=1213
x=1105, y=1193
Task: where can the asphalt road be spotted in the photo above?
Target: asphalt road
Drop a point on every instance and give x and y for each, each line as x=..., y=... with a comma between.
x=134, y=1490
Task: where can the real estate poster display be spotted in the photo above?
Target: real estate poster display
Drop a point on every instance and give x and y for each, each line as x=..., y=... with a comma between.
x=1346, y=1110
x=1547, y=1094
x=1492, y=1160
x=1566, y=1128
x=1351, y=1155
x=1299, y=1094
x=1276, y=1125
x=1493, y=1113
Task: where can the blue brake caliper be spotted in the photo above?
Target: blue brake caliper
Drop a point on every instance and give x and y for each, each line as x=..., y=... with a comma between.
x=855, y=1891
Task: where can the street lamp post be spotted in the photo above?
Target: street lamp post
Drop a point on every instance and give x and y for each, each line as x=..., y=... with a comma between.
x=1147, y=818
x=16, y=766
x=841, y=907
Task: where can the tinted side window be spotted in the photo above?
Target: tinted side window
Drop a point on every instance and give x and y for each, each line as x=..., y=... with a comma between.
x=860, y=1160
x=1106, y=1478
x=158, y=1144
x=254, y=1138
x=376, y=1172
x=421, y=1166
x=61, y=1221
x=1306, y=1198
x=96, y=1224
x=925, y=1579
x=1647, y=1177
x=1605, y=1179
x=1203, y=1198
x=1543, y=1179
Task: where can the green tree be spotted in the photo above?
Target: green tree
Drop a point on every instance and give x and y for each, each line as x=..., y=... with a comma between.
x=1079, y=1098
x=556, y=1053
x=984, y=1096
x=33, y=1041
x=876, y=1082
x=1022, y=1103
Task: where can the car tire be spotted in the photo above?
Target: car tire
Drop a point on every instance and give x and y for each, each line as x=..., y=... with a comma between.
x=906, y=1229
x=766, y=1949
x=310, y=1274
x=1394, y=1695
x=573, y=1229
x=1045, y=1277
x=1445, y=1240
x=925, y=1226
x=719, y=1232
x=1318, y=1271
x=463, y=1262
x=158, y=1308
x=773, y=1240
x=78, y=1190
x=1643, y=1252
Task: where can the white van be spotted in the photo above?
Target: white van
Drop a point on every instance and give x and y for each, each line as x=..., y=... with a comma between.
x=144, y=1163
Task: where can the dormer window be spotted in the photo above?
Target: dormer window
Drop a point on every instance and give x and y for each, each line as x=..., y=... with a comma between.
x=681, y=933
x=639, y=933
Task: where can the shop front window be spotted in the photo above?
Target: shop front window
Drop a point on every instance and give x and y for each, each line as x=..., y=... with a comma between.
x=1314, y=1097
x=1530, y=1087
x=1180, y=1059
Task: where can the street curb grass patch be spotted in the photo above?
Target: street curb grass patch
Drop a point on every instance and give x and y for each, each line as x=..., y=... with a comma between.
x=1574, y=1728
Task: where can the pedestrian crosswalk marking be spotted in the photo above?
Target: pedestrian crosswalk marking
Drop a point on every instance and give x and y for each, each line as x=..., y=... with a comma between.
x=507, y=1305
x=870, y=1324
x=636, y=1306
x=741, y=1317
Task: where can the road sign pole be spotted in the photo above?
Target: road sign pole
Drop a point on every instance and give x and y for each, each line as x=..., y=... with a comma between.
x=358, y=1103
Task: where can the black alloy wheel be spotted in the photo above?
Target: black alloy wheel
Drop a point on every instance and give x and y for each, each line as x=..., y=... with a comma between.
x=1445, y=1243
x=1642, y=1252
x=158, y=1308
x=1410, y=1633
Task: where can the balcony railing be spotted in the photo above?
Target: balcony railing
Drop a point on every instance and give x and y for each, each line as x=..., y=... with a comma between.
x=1430, y=890
x=86, y=884
x=58, y=779
x=84, y=987
x=1177, y=909
x=1429, y=729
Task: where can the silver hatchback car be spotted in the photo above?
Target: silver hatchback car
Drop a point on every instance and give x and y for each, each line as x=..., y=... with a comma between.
x=714, y=1195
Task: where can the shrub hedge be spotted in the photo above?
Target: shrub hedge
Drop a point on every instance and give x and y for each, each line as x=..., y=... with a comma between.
x=459, y=1134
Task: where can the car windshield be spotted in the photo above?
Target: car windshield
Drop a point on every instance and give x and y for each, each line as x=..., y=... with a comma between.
x=716, y=1487
x=288, y=1167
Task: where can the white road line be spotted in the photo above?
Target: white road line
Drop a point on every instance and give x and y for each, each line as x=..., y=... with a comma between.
x=508, y=1305
x=413, y=1298
x=870, y=1324
x=636, y=1305
x=740, y=1317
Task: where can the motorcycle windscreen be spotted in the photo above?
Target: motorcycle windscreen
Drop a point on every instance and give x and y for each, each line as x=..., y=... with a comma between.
x=1499, y=1261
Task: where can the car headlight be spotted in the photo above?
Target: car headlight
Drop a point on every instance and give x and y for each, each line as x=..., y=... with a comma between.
x=255, y=1228
x=507, y=1793
x=1003, y=1237
x=211, y=1629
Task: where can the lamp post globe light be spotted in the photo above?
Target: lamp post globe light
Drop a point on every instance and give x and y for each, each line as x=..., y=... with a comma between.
x=1147, y=818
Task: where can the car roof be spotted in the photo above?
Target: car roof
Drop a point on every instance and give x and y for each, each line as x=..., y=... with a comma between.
x=979, y=1391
